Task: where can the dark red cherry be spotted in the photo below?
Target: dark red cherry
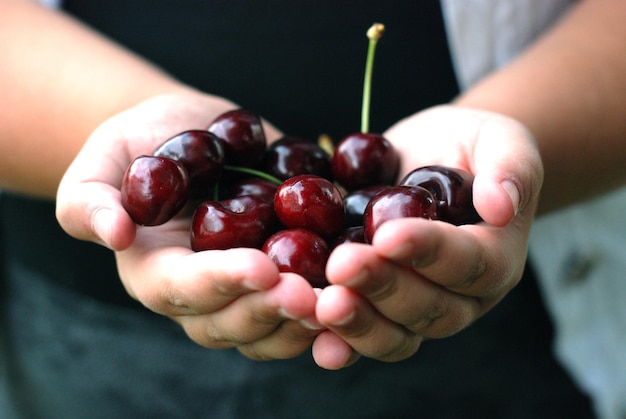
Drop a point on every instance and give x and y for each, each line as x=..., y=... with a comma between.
x=452, y=189
x=354, y=234
x=398, y=202
x=154, y=189
x=255, y=186
x=355, y=203
x=292, y=156
x=243, y=136
x=202, y=154
x=310, y=202
x=299, y=251
x=364, y=159
x=246, y=221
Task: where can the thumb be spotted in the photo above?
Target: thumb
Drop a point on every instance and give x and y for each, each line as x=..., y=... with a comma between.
x=92, y=211
x=508, y=168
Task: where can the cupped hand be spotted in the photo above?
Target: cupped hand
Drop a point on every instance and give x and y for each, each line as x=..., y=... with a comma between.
x=222, y=299
x=422, y=279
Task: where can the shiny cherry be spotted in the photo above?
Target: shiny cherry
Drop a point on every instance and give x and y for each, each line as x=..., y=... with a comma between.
x=292, y=156
x=355, y=234
x=154, y=189
x=452, y=189
x=202, y=154
x=243, y=136
x=310, y=202
x=398, y=202
x=255, y=186
x=300, y=251
x=364, y=159
x=246, y=221
x=356, y=201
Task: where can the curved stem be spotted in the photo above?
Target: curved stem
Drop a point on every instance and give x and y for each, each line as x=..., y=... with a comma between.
x=254, y=172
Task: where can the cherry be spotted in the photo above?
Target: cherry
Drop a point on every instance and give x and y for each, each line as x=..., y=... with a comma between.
x=154, y=189
x=292, y=156
x=310, y=202
x=243, y=136
x=246, y=221
x=201, y=153
x=398, y=202
x=452, y=189
x=255, y=186
x=300, y=251
x=355, y=203
x=364, y=159
x=354, y=234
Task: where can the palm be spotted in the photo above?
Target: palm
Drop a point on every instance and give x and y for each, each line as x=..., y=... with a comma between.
x=232, y=298
x=438, y=278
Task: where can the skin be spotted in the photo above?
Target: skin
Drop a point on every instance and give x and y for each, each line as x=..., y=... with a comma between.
x=438, y=278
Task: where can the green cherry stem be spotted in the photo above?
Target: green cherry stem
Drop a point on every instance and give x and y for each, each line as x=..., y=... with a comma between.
x=373, y=33
x=254, y=172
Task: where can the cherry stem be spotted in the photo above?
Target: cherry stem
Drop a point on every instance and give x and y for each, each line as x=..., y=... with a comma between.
x=253, y=172
x=373, y=33
x=326, y=143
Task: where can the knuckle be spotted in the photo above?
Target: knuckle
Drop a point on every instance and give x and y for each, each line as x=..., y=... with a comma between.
x=445, y=316
x=405, y=348
x=215, y=339
x=475, y=271
x=203, y=331
x=249, y=351
x=169, y=301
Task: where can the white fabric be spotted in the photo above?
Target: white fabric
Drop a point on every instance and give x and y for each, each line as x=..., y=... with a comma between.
x=579, y=253
x=485, y=34
x=53, y=4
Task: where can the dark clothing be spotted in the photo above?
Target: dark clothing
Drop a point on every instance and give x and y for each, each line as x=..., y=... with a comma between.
x=74, y=345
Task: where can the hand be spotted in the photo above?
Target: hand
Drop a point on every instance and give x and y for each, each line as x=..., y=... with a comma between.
x=222, y=299
x=425, y=279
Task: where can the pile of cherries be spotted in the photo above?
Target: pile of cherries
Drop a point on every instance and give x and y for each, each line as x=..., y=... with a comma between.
x=292, y=198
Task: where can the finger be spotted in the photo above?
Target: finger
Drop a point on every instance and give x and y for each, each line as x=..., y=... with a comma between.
x=88, y=204
x=400, y=294
x=271, y=132
x=288, y=340
x=509, y=174
x=331, y=352
x=472, y=260
x=92, y=211
x=362, y=327
x=254, y=316
x=451, y=256
x=176, y=281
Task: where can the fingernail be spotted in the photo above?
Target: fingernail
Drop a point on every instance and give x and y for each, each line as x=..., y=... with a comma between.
x=308, y=323
x=249, y=285
x=511, y=189
x=358, y=279
x=311, y=324
x=345, y=320
x=284, y=313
